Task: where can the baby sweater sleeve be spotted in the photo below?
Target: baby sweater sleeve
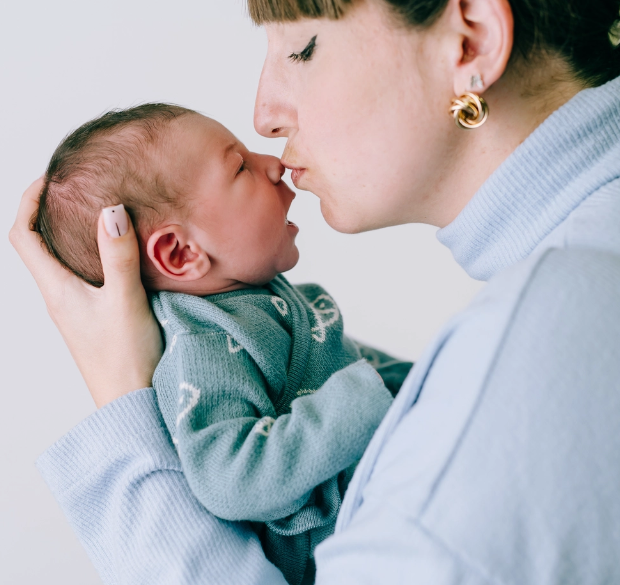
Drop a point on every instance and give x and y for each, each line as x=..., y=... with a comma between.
x=392, y=370
x=241, y=460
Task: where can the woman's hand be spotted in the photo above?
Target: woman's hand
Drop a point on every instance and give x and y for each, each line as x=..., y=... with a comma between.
x=111, y=332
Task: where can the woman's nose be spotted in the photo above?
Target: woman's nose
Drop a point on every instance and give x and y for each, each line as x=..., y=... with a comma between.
x=274, y=111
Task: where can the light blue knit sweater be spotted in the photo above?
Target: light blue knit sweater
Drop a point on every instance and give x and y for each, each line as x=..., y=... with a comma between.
x=498, y=462
x=270, y=406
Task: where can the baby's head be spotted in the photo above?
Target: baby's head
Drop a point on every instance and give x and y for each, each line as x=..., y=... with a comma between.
x=210, y=215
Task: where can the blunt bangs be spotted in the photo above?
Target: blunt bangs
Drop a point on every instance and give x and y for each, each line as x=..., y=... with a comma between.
x=265, y=11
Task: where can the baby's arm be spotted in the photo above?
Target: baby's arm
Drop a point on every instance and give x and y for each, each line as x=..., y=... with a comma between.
x=392, y=370
x=241, y=461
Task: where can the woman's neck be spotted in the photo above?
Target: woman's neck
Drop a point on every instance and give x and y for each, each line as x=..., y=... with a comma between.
x=573, y=154
x=518, y=105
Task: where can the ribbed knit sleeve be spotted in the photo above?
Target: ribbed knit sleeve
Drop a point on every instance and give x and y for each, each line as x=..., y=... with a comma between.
x=118, y=479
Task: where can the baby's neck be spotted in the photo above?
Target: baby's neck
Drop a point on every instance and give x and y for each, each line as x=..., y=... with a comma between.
x=197, y=289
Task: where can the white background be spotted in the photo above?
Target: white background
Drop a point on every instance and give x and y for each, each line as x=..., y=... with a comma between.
x=65, y=61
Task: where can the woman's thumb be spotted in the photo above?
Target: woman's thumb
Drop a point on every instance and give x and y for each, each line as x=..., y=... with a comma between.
x=118, y=248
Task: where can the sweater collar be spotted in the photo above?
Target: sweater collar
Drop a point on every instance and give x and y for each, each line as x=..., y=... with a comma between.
x=538, y=185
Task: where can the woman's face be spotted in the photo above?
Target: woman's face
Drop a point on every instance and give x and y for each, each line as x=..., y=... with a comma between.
x=363, y=102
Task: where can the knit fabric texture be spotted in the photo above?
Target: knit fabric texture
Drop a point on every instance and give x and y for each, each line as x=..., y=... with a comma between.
x=270, y=407
x=498, y=462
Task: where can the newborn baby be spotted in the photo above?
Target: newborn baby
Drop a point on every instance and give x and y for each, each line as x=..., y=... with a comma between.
x=268, y=403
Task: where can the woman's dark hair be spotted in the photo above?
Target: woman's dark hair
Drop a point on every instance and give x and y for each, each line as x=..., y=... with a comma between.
x=586, y=33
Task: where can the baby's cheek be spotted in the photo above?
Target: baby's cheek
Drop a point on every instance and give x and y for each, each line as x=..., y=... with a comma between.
x=257, y=244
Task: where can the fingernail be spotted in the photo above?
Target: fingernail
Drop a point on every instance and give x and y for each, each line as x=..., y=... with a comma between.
x=115, y=221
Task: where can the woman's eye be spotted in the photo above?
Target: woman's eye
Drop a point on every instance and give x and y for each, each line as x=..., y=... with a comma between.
x=307, y=53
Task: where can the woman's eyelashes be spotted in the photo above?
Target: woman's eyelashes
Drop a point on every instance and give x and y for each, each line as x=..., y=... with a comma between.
x=307, y=53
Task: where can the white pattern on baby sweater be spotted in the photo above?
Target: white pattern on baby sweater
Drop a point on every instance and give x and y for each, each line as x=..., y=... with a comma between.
x=323, y=305
x=194, y=396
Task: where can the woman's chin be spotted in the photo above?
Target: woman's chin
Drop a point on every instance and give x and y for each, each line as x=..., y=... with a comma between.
x=342, y=220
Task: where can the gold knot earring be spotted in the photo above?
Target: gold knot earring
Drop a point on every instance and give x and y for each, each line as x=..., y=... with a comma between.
x=470, y=110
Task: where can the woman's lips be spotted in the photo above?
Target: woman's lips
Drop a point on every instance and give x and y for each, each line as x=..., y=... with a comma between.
x=296, y=172
x=296, y=175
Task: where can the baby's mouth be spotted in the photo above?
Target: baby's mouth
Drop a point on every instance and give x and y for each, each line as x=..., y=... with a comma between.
x=287, y=221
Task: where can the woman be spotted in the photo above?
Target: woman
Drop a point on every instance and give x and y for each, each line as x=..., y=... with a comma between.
x=499, y=460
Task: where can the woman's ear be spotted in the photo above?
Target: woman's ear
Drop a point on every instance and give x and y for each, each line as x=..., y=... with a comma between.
x=176, y=255
x=486, y=28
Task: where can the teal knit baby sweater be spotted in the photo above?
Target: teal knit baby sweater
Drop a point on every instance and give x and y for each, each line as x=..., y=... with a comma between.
x=270, y=407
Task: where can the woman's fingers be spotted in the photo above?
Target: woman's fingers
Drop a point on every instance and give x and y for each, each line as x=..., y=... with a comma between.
x=118, y=249
x=110, y=331
x=29, y=203
x=129, y=335
x=46, y=271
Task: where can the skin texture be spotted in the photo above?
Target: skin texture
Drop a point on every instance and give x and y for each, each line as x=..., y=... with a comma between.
x=367, y=117
x=236, y=233
x=120, y=349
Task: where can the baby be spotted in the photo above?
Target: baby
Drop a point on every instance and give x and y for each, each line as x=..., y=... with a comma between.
x=269, y=404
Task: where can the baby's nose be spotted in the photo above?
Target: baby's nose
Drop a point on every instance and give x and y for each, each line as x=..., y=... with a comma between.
x=275, y=171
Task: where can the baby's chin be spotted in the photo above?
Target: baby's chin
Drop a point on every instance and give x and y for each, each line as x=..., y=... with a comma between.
x=153, y=281
x=271, y=272
x=269, y=277
x=291, y=262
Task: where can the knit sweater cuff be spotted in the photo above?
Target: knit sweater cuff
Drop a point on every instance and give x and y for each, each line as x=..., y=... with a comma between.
x=131, y=422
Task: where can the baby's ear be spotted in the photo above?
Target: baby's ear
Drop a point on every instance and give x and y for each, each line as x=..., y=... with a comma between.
x=176, y=255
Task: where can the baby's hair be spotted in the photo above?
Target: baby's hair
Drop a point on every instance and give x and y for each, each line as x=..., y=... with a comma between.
x=115, y=158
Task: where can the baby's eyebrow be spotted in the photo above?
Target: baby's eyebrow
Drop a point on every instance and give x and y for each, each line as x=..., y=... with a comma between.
x=230, y=148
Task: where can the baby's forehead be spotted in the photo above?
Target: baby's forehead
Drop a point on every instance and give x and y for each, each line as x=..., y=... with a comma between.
x=210, y=128
x=199, y=135
x=198, y=148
